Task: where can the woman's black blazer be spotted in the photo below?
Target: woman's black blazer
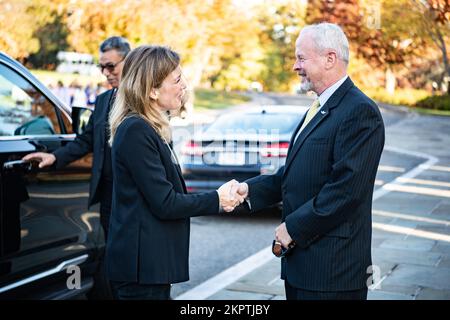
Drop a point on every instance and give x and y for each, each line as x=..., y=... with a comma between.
x=148, y=239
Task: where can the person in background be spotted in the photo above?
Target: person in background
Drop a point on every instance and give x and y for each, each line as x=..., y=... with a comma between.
x=95, y=137
x=78, y=95
x=91, y=94
x=62, y=92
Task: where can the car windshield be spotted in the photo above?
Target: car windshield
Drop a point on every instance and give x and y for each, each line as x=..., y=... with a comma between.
x=283, y=123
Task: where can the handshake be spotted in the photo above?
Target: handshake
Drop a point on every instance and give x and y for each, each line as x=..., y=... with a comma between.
x=232, y=194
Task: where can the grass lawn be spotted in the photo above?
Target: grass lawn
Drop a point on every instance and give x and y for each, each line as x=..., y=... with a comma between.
x=52, y=77
x=214, y=99
x=204, y=98
x=432, y=112
x=404, y=97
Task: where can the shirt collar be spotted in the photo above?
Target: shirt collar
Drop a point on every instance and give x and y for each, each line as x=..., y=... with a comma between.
x=323, y=98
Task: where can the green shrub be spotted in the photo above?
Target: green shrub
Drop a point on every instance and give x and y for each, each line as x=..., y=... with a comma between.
x=435, y=103
x=217, y=99
x=52, y=77
x=404, y=97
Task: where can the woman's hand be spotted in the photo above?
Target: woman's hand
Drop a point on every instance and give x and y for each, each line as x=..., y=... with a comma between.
x=229, y=197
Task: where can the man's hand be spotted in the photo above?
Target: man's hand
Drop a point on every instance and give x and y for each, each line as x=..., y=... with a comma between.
x=241, y=189
x=229, y=197
x=44, y=159
x=282, y=235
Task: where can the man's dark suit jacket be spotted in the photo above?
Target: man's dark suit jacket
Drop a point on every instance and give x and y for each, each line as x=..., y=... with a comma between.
x=148, y=240
x=326, y=187
x=93, y=139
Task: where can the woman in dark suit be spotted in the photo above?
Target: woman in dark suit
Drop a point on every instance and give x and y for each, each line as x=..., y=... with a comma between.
x=148, y=245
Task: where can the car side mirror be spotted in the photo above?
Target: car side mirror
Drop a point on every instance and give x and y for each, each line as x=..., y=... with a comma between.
x=80, y=119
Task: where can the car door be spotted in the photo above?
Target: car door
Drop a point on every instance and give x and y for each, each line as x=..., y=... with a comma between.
x=45, y=225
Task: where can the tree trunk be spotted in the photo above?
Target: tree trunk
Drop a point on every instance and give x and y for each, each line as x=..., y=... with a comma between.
x=446, y=73
x=391, y=81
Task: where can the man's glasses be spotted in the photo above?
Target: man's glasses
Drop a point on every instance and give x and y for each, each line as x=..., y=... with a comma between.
x=109, y=66
x=279, y=251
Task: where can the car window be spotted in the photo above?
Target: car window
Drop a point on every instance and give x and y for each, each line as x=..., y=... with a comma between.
x=283, y=122
x=24, y=110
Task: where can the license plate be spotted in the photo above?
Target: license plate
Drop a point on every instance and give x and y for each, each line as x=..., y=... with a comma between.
x=231, y=159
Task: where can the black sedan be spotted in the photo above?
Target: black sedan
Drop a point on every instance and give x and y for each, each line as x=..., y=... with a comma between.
x=239, y=145
x=50, y=242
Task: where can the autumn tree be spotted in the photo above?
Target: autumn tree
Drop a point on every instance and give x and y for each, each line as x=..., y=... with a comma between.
x=379, y=32
x=279, y=25
x=434, y=24
x=52, y=38
x=14, y=40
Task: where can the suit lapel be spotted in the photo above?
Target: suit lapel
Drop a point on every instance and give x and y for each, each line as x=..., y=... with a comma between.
x=180, y=175
x=291, y=144
x=324, y=111
x=102, y=118
x=176, y=163
x=321, y=114
x=107, y=105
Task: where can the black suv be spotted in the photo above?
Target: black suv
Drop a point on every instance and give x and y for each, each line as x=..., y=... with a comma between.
x=50, y=243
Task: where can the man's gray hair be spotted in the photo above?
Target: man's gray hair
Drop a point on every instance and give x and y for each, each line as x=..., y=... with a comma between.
x=119, y=44
x=329, y=36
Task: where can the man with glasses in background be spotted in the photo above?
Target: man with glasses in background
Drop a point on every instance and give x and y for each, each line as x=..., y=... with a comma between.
x=95, y=137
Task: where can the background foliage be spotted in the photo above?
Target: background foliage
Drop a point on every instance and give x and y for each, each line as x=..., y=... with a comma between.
x=395, y=44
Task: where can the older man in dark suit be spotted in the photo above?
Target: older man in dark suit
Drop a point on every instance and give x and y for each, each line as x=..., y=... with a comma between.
x=327, y=182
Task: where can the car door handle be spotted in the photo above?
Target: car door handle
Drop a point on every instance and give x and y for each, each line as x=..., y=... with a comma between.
x=24, y=165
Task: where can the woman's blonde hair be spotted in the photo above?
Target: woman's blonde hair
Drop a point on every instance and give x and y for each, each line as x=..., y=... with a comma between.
x=145, y=68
